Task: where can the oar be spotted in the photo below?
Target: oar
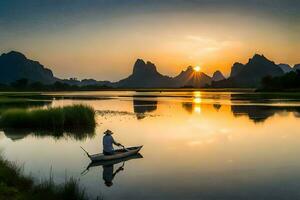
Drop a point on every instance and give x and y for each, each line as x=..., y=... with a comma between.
x=84, y=172
x=123, y=164
x=87, y=153
x=124, y=147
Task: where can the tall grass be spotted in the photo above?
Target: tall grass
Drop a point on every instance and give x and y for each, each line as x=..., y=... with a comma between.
x=15, y=186
x=68, y=118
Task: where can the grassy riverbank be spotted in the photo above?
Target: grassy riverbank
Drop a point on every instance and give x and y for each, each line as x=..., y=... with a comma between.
x=15, y=186
x=68, y=118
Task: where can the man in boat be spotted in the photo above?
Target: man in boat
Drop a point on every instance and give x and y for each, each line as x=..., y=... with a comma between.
x=108, y=142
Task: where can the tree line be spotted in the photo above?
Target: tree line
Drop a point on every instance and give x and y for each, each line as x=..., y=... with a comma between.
x=289, y=81
x=27, y=85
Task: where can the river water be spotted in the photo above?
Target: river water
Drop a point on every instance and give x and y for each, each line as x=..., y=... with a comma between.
x=196, y=145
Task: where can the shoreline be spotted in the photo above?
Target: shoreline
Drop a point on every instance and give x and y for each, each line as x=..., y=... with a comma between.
x=15, y=185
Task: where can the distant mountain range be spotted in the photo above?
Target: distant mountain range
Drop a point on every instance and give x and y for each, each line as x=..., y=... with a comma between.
x=15, y=66
x=144, y=75
x=218, y=76
x=251, y=73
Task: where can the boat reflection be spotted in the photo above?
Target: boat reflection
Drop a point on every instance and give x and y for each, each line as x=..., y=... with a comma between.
x=109, y=173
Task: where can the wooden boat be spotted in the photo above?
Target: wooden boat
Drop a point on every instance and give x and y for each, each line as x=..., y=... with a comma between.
x=119, y=153
x=115, y=161
x=110, y=162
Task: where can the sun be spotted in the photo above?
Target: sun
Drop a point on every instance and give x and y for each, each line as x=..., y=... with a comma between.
x=197, y=68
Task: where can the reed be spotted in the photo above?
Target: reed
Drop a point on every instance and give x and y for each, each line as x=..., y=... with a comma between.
x=14, y=185
x=68, y=118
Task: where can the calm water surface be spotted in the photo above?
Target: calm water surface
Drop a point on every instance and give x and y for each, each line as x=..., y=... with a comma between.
x=197, y=145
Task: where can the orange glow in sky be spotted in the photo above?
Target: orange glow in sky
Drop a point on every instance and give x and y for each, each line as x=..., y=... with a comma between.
x=104, y=40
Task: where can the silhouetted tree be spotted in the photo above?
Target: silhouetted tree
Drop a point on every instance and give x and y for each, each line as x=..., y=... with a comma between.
x=38, y=86
x=290, y=80
x=20, y=84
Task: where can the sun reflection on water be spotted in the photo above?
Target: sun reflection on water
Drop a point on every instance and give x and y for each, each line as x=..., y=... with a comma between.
x=197, y=109
x=197, y=101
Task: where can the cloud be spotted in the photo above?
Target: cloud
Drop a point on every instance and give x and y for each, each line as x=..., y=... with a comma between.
x=204, y=45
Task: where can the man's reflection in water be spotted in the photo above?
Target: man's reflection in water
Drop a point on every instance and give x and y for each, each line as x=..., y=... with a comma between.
x=108, y=168
x=109, y=174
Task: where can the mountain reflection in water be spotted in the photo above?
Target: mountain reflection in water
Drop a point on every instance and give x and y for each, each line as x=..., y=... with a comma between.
x=141, y=107
x=257, y=110
x=256, y=113
x=261, y=113
x=198, y=145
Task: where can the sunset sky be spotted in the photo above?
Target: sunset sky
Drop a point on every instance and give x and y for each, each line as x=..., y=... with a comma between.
x=101, y=39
